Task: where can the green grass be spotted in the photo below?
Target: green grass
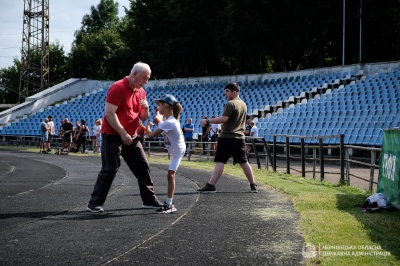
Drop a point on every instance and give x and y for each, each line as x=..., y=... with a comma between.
x=330, y=216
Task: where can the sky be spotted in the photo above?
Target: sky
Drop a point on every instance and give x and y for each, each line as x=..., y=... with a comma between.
x=65, y=19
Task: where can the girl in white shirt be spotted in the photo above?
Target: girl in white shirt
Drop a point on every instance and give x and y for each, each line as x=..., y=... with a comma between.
x=97, y=136
x=167, y=121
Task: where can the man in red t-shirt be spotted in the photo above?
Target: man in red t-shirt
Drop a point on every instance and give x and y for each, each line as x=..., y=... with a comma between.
x=125, y=104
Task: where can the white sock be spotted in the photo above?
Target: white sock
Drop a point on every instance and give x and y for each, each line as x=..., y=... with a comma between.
x=169, y=201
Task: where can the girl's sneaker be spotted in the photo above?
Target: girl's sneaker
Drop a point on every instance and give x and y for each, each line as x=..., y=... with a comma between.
x=167, y=208
x=253, y=188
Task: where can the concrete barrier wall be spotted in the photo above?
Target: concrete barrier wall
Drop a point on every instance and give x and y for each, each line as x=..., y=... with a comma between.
x=58, y=93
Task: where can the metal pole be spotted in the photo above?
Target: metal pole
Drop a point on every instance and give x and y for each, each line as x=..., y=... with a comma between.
x=287, y=155
x=314, y=161
x=303, y=160
x=371, y=177
x=42, y=50
x=342, y=159
x=321, y=159
x=360, y=31
x=347, y=155
x=268, y=155
x=274, y=155
x=253, y=143
x=344, y=31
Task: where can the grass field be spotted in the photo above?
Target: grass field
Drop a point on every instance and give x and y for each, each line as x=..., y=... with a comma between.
x=331, y=218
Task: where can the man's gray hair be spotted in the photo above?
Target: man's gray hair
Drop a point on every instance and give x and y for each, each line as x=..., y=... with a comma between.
x=141, y=67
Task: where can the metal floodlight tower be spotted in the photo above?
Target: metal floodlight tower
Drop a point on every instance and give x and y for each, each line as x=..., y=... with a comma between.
x=34, y=76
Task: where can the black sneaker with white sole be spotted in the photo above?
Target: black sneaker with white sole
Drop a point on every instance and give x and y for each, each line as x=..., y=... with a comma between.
x=208, y=188
x=153, y=205
x=253, y=188
x=167, y=208
x=94, y=208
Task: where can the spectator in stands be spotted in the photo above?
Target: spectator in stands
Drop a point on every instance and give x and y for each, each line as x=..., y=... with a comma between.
x=167, y=121
x=213, y=137
x=82, y=134
x=188, y=130
x=253, y=133
x=231, y=140
x=205, y=135
x=97, y=136
x=67, y=129
x=52, y=132
x=44, y=130
x=125, y=104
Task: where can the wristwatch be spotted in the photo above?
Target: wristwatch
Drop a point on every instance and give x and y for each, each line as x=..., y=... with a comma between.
x=207, y=122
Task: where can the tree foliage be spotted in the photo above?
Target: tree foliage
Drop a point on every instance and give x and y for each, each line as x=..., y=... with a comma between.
x=97, y=48
x=197, y=38
x=10, y=77
x=191, y=38
x=9, y=83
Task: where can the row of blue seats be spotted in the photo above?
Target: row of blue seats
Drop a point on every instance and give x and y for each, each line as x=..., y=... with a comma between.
x=198, y=106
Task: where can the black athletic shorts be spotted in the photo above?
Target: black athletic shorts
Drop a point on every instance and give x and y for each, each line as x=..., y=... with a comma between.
x=230, y=147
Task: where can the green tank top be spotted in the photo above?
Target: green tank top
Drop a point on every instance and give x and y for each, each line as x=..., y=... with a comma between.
x=236, y=110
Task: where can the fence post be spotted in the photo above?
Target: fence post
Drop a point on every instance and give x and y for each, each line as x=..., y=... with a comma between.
x=208, y=149
x=371, y=177
x=303, y=159
x=268, y=154
x=189, y=148
x=321, y=159
x=274, y=155
x=148, y=152
x=287, y=155
x=347, y=155
x=314, y=151
x=253, y=143
x=342, y=159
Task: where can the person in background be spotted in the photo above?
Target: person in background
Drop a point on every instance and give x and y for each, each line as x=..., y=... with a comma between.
x=82, y=134
x=97, y=136
x=247, y=131
x=60, y=129
x=188, y=133
x=247, y=128
x=205, y=135
x=52, y=132
x=167, y=121
x=74, y=143
x=126, y=104
x=231, y=139
x=253, y=133
x=213, y=137
x=67, y=129
x=44, y=130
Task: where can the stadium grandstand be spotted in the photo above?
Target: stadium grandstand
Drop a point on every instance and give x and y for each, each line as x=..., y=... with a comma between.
x=358, y=101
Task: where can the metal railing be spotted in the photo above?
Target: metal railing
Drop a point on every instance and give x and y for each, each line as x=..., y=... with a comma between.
x=343, y=158
x=291, y=156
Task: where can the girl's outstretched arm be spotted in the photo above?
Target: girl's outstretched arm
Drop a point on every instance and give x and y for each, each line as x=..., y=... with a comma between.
x=152, y=134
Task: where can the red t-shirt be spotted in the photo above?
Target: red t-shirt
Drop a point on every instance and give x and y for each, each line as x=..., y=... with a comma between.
x=121, y=95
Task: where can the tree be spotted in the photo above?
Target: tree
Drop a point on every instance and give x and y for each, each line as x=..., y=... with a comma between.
x=97, y=56
x=97, y=47
x=57, y=64
x=10, y=77
x=9, y=82
x=189, y=38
